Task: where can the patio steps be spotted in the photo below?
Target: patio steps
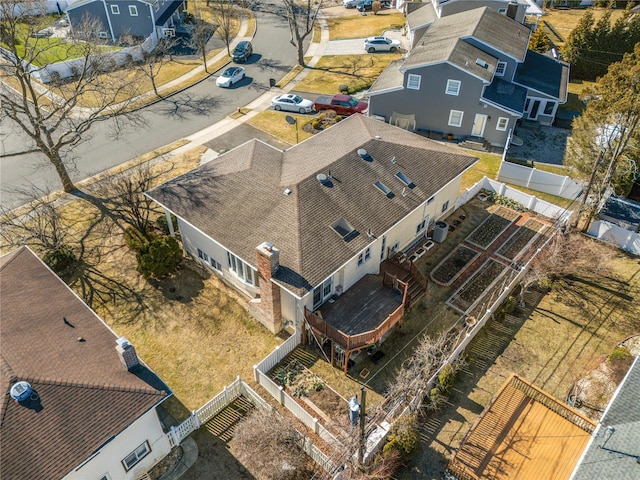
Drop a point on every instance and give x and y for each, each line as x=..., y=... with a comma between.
x=476, y=143
x=415, y=292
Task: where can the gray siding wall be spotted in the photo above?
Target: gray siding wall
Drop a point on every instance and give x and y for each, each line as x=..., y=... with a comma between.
x=417, y=35
x=93, y=12
x=126, y=24
x=432, y=106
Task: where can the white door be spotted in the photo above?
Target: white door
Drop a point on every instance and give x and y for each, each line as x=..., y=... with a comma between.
x=478, y=125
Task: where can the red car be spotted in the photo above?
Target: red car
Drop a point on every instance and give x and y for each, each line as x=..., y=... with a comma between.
x=341, y=104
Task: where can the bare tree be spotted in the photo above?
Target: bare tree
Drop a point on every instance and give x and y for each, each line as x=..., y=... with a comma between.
x=53, y=116
x=223, y=15
x=200, y=35
x=155, y=60
x=302, y=17
x=272, y=446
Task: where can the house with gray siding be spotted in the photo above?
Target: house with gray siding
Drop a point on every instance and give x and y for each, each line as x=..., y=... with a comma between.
x=290, y=229
x=470, y=76
x=115, y=20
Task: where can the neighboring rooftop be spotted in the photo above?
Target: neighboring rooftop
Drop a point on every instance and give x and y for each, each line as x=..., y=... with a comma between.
x=622, y=211
x=614, y=453
x=54, y=341
x=525, y=434
x=238, y=198
x=420, y=14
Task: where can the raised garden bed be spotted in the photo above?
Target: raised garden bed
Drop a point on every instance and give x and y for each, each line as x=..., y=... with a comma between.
x=521, y=239
x=492, y=227
x=476, y=285
x=453, y=265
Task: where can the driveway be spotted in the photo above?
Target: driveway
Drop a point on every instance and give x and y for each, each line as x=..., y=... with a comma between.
x=353, y=46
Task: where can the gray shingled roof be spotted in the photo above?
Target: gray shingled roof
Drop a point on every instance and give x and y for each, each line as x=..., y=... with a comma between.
x=86, y=394
x=543, y=74
x=483, y=24
x=614, y=455
x=420, y=14
x=238, y=199
x=506, y=94
x=391, y=78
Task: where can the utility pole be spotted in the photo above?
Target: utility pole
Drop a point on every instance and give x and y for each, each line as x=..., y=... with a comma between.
x=361, y=447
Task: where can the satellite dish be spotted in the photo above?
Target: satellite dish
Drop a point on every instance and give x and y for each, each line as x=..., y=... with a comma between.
x=290, y=120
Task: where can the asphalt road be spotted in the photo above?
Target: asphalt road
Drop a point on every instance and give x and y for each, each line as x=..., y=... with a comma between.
x=168, y=120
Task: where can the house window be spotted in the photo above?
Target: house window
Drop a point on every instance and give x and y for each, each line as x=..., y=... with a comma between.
x=453, y=87
x=203, y=256
x=501, y=67
x=103, y=35
x=322, y=292
x=364, y=256
x=215, y=264
x=106, y=476
x=445, y=206
x=455, y=118
x=421, y=226
x=134, y=457
x=115, y=9
x=503, y=123
x=384, y=245
x=431, y=199
x=548, y=108
x=413, y=81
x=133, y=10
x=241, y=270
x=503, y=11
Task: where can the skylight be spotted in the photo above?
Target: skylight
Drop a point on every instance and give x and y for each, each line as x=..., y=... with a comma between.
x=404, y=179
x=384, y=189
x=344, y=229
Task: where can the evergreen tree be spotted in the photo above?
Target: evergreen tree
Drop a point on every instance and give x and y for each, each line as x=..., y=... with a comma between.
x=539, y=40
x=159, y=257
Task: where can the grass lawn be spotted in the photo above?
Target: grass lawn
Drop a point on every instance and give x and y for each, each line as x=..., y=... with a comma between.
x=576, y=87
x=274, y=123
x=357, y=71
x=563, y=21
x=357, y=26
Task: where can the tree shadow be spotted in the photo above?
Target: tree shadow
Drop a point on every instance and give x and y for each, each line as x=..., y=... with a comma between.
x=185, y=105
x=183, y=285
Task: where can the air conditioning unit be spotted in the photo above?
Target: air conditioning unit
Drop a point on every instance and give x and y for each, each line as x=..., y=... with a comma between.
x=169, y=32
x=440, y=231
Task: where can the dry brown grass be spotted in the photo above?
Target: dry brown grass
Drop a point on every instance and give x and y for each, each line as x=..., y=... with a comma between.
x=357, y=26
x=274, y=123
x=356, y=71
x=563, y=21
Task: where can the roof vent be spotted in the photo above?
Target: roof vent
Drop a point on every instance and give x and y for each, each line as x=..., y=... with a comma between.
x=287, y=191
x=482, y=63
x=20, y=391
x=377, y=137
x=364, y=155
x=323, y=179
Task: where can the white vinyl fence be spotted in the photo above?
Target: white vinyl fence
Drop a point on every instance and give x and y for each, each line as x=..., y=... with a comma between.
x=627, y=240
x=539, y=180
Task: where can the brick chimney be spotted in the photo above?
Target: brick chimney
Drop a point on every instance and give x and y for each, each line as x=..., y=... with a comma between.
x=127, y=354
x=270, y=304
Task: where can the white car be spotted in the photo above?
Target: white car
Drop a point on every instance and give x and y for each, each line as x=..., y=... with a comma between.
x=292, y=103
x=230, y=76
x=381, y=44
x=350, y=3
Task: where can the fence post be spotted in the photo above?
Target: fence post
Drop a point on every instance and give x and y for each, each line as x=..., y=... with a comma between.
x=226, y=394
x=307, y=445
x=173, y=436
x=281, y=394
x=316, y=430
x=196, y=420
x=255, y=374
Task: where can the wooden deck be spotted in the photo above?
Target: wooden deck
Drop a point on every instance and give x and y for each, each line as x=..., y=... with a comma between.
x=523, y=434
x=363, y=307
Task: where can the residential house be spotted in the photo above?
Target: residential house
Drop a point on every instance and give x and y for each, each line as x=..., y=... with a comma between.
x=622, y=212
x=470, y=76
x=78, y=404
x=138, y=19
x=422, y=14
x=295, y=228
x=522, y=433
x=614, y=449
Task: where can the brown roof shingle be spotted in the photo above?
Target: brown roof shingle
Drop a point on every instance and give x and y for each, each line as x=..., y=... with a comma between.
x=86, y=395
x=238, y=199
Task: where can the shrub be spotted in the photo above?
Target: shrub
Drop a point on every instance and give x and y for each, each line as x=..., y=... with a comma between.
x=446, y=378
x=344, y=88
x=315, y=124
x=619, y=353
x=159, y=257
x=134, y=238
x=60, y=259
x=163, y=225
x=403, y=438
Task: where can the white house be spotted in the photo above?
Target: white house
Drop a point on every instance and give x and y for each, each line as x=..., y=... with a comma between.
x=78, y=403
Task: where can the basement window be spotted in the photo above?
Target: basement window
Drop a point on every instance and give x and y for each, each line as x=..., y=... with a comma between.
x=345, y=230
x=404, y=179
x=384, y=189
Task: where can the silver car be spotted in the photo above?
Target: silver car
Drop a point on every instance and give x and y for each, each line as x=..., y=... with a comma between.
x=381, y=44
x=292, y=103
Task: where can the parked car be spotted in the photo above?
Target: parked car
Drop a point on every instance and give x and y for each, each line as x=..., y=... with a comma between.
x=363, y=5
x=381, y=44
x=242, y=52
x=341, y=104
x=350, y=3
x=292, y=103
x=44, y=33
x=230, y=76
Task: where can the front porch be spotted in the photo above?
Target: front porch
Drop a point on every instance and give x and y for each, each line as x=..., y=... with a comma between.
x=360, y=317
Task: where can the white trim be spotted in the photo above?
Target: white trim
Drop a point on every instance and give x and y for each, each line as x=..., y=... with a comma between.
x=451, y=113
x=115, y=9
x=483, y=117
x=147, y=451
x=413, y=76
x=386, y=90
x=133, y=10
x=453, y=87
x=106, y=12
x=426, y=65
